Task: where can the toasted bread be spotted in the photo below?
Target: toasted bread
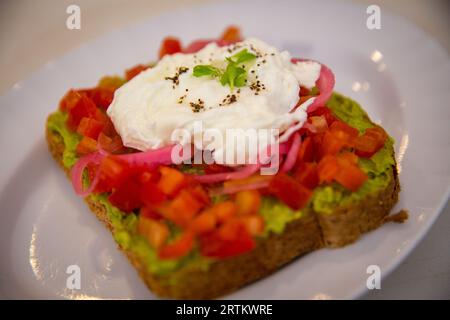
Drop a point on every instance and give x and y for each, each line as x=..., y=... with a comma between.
x=344, y=225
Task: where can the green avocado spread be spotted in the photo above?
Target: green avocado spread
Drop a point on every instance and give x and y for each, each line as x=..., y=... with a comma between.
x=276, y=214
x=57, y=122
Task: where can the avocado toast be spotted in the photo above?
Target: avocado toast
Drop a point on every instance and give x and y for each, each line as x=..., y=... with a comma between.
x=331, y=211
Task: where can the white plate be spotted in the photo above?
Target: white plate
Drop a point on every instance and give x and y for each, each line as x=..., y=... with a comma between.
x=400, y=75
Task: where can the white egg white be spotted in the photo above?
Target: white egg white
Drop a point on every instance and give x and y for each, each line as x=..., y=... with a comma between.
x=146, y=110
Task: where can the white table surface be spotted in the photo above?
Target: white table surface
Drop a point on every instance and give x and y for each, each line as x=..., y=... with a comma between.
x=34, y=32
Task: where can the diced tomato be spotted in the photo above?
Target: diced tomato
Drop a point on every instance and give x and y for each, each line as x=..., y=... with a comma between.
x=183, y=208
x=171, y=181
x=254, y=224
x=343, y=169
x=365, y=146
x=111, y=145
x=126, y=196
x=69, y=100
x=307, y=175
x=151, y=195
x=156, y=232
x=333, y=142
x=257, y=181
x=317, y=140
x=108, y=126
x=84, y=107
x=104, y=119
x=178, y=248
x=111, y=83
x=113, y=172
x=214, y=245
x=306, y=151
x=326, y=112
x=370, y=142
x=247, y=202
x=290, y=191
x=196, y=200
x=149, y=213
x=351, y=177
x=342, y=126
x=102, y=185
x=327, y=168
x=134, y=71
x=169, y=45
x=319, y=122
x=232, y=34
x=224, y=210
x=378, y=133
x=196, y=46
x=86, y=145
x=148, y=175
x=200, y=194
x=347, y=158
x=89, y=127
x=104, y=141
x=204, y=222
x=102, y=97
x=230, y=229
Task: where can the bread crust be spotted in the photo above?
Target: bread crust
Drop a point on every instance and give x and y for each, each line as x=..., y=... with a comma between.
x=313, y=231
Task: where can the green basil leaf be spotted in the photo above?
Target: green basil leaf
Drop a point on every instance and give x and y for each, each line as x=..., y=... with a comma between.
x=206, y=70
x=240, y=80
x=233, y=75
x=230, y=75
x=243, y=56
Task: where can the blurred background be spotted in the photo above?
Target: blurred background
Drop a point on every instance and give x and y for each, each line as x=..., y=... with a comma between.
x=33, y=32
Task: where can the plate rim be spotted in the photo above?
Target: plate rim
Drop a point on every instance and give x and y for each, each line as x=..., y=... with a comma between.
x=392, y=264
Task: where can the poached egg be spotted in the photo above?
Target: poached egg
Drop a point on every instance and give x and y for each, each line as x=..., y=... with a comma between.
x=148, y=109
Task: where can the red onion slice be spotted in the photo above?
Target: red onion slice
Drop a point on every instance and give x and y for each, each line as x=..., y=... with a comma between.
x=325, y=84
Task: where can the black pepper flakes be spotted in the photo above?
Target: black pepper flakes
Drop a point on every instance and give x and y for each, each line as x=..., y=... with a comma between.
x=229, y=99
x=257, y=87
x=197, y=106
x=176, y=78
x=181, y=99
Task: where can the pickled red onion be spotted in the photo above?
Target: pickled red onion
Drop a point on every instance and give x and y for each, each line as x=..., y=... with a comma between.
x=244, y=171
x=77, y=170
x=251, y=183
x=158, y=156
x=147, y=158
x=325, y=84
x=292, y=154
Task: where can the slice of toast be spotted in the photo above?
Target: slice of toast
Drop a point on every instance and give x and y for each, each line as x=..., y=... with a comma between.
x=344, y=225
